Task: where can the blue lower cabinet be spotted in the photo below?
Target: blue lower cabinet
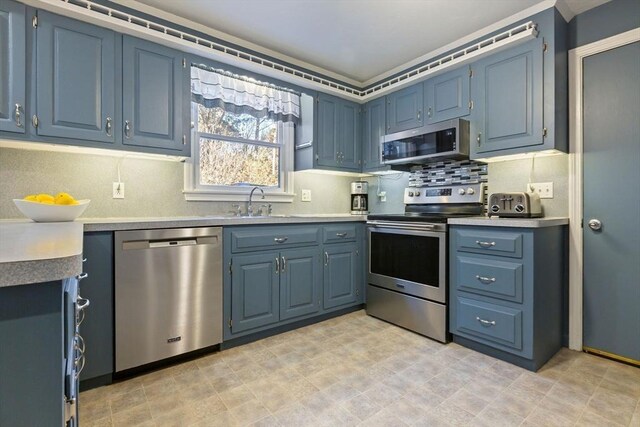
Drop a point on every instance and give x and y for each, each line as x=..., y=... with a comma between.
x=340, y=274
x=300, y=282
x=507, y=288
x=254, y=291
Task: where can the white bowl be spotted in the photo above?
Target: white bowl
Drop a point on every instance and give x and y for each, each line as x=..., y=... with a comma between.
x=41, y=212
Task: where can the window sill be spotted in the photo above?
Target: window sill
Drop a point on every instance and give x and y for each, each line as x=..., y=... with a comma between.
x=236, y=196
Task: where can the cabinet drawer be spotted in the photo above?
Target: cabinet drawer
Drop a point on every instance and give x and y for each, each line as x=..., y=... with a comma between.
x=503, y=243
x=251, y=239
x=494, y=323
x=500, y=279
x=339, y=233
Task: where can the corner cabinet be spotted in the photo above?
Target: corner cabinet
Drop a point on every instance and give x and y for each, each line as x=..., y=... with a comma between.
x=338, y=132
x=12, y=67
x=155, y=107
x=75, y=82
x=506, y=291
x=447, y=95
x=405, y=109
x=373, y=129
x=281, y=274
x=508, y=101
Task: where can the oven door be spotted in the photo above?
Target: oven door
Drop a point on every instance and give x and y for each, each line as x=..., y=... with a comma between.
x=408, y=260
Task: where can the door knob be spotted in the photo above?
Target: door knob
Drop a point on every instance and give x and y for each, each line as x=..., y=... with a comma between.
x=595, y=224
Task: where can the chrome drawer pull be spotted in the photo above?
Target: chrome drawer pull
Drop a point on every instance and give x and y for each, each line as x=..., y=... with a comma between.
x=82, y=276
x=486, y=322
x=486, y=280
x=341, y=234
x=280, y=239
x=485, y=244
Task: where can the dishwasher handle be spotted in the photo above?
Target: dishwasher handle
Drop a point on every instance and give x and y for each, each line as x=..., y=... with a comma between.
x=167, y=243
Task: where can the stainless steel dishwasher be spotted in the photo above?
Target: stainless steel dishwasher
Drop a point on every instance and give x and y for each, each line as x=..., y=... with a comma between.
x=168, y=293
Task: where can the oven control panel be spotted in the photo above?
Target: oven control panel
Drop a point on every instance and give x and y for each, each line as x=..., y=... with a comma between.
x=469, y=193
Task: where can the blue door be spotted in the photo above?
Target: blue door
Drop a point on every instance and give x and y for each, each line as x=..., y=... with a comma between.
x=300, y=282
x=75, y=79
x=12, y=66
x=373, y=131
x=340, y=274
x=328, y=111
x=254, y=291
x=447, y=96
x=349, y=135
x=155, y=106
x=404, y=109
x=507, y=93
x=611, y=108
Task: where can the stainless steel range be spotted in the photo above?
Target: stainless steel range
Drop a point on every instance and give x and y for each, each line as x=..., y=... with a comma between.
x=408, y=262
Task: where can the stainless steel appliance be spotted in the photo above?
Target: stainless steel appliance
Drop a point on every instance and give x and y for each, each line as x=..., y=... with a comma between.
x=407, y=269
x=168, y=293
x=445, y=140
x=515, y=205
x=359, y=198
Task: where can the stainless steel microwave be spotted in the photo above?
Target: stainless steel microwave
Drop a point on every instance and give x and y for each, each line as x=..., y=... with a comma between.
x=445, y=140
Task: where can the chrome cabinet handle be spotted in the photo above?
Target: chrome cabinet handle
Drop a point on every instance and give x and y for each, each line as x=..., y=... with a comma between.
x=277, y=265
x=127, y=129
x=107, y=126
x=341, y=234
x=486, y=322
x=485, y=244
x=595, y=224
x=400, y=286
x=326, y=258
x=280, y=239
x=479, y=138
x=82, y=276
x=18, y=115
x=429, y=112
x=419, y=114
x=284, y=264
x=486, y=280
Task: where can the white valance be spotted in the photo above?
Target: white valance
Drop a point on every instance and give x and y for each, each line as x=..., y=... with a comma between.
x=239, y=94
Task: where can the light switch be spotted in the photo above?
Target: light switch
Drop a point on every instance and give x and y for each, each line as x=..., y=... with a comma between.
x=306, y=195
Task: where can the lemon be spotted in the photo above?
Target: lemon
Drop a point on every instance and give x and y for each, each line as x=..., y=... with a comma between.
x=31, y=198
x=65, y=199
x=45, y=198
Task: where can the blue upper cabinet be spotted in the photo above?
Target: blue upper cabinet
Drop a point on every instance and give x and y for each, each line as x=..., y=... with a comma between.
x=349, y=136
x=405, y=109
x=12, y=66
x=507, y=91
x=155, y=102
x=327, y=149
x=75, y=82
x=373, y=124
x=338, y=126
x=447, y=96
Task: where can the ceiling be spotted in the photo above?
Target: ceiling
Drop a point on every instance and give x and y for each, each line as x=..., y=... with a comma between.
x=359, y=41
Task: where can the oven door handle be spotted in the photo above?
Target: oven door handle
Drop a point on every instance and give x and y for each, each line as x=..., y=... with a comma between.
x=402, y=226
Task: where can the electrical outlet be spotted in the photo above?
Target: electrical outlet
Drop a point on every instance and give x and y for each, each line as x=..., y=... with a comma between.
x=306, y=195
x=543, y=189
x=118, y=190
x=383, y=196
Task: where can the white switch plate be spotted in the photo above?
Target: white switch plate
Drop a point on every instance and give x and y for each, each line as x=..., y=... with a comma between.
x=306, y=195
x=383, y=196
x=544, y=189
x=118, y=190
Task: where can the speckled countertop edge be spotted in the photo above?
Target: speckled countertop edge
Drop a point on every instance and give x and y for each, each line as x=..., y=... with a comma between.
x=510, y=222
x=39, y=271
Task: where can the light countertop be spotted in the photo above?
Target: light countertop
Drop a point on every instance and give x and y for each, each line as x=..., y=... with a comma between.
x=509, y=222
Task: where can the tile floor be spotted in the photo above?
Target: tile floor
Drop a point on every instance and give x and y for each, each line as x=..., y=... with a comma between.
x=357, y=370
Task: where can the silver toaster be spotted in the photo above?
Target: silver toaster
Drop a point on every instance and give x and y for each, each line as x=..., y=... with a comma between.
x=515, y=205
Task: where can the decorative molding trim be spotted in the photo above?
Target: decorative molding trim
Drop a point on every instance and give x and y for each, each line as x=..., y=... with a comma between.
x=576, y=57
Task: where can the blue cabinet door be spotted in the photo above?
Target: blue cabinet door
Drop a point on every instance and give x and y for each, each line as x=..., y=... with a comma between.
x=373, y=131
x=507, y=93
x=447, y=96
x=300, y=282
x=254, y=291
x=97, y=287
x=349, y=135
x=75, y=79
x=328, y=112
x=154, y=81
x=341, y=271
x=404, y=109
x=12, y=66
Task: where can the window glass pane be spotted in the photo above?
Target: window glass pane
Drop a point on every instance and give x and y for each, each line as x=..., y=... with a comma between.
x=236, y=163
x=220, y=122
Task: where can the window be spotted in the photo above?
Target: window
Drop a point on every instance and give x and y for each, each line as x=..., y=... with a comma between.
x=238, y=142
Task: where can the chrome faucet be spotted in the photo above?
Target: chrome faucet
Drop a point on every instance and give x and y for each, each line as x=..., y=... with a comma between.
x=250, y=207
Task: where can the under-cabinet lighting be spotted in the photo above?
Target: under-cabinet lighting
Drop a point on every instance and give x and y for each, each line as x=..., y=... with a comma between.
x=521, y=156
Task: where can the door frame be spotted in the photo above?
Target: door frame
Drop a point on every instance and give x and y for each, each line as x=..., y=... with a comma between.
x=576, y=150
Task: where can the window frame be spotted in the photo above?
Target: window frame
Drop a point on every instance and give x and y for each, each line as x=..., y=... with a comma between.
x=194, y=191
